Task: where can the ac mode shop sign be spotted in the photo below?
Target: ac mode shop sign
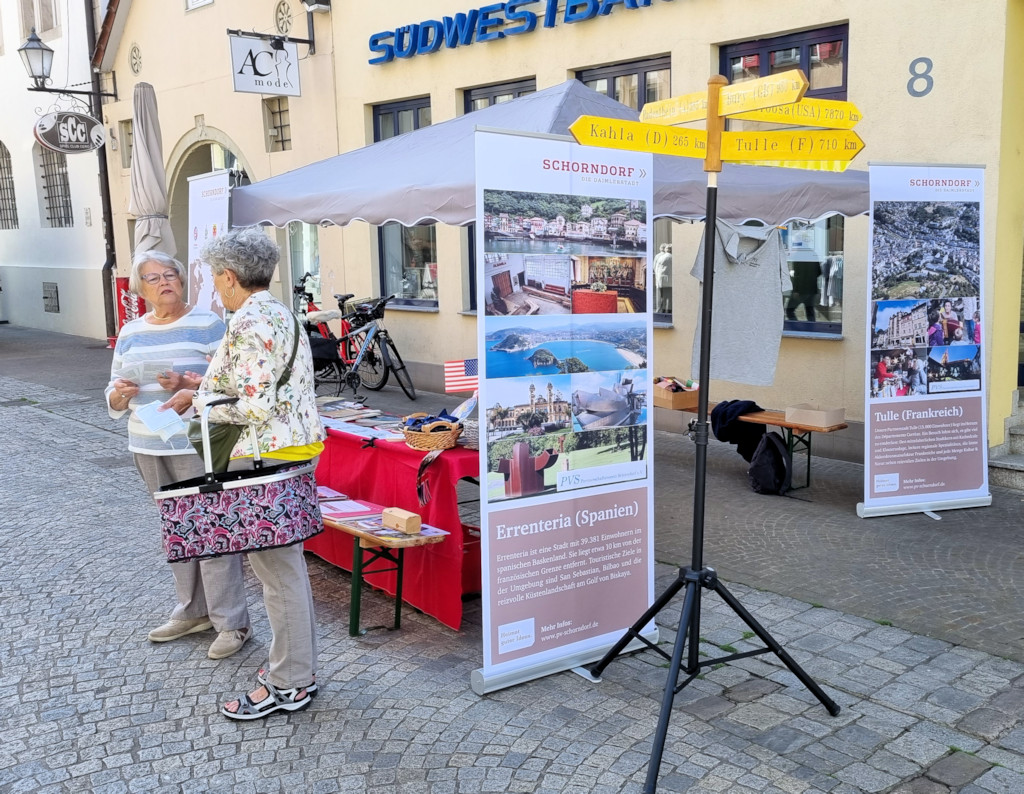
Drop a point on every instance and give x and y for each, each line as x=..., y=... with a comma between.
x=488, y=23
x=259, y=68
x=70, y=133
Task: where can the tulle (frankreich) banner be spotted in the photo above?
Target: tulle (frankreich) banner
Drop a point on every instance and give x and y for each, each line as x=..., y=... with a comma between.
x=925, y=436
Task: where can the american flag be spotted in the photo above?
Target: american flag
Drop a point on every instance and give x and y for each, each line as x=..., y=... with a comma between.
x=460, y=375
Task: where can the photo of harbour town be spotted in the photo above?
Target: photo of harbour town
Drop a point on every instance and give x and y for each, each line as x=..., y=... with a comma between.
x=925, y=249
x=542, y=427
x=555, y=223
x=562, y=345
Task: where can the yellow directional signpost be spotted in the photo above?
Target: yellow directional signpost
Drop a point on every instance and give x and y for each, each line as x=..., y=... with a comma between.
x=635, y=136
x=778, y=99
x=791, y=145
x=778, y=89
x=830, y=113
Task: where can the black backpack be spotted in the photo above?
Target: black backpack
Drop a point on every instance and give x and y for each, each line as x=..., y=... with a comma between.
x=771, y=467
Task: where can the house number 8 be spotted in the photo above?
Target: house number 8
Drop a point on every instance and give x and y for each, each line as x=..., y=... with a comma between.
x=921, y=82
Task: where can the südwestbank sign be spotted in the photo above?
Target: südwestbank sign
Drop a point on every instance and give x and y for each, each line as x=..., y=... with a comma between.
x=488, y=23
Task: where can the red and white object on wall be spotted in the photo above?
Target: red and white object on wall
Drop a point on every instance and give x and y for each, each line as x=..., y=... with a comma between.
x=129, y=305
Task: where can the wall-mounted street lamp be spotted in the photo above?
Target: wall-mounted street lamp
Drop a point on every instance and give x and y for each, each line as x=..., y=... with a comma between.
x=38, y=60
x=317, y=6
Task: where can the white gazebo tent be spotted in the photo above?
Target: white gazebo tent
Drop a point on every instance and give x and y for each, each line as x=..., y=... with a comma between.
x=428, y=175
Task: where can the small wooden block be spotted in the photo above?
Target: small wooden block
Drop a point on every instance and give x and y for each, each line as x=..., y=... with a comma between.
x=402, y=520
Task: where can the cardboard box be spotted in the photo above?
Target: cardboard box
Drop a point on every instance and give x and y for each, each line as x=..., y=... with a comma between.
x=812, y=414
x=402, y=520
x=675, y=400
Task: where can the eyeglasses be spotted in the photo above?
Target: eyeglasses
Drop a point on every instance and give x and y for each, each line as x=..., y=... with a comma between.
x=156, y=278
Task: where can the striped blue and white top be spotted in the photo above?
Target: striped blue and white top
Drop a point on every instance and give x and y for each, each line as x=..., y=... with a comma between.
x=182, y=345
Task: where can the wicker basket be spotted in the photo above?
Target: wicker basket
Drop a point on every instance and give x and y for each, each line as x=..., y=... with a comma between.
x=441, y=434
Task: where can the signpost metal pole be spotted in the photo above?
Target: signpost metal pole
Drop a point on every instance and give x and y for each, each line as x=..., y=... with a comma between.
x=696, y=577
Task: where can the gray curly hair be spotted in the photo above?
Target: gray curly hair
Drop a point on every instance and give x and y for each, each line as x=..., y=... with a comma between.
x=248, y=253
x=162, y=259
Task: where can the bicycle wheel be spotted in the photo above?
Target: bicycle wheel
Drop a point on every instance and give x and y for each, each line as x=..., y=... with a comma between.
x=398, y=367
x=373, y=372
x=327, y=378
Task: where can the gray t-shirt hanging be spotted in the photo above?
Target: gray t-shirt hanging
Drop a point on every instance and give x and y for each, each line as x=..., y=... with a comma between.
x=746, y=321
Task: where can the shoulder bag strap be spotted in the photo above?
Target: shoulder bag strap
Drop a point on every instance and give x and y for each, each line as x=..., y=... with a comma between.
x=291, y=361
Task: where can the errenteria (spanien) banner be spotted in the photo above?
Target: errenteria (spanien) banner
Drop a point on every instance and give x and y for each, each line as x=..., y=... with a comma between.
x=563, y=241
x=925, y=434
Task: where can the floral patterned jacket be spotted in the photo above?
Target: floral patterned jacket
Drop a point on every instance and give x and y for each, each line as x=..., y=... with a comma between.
x=251, y=359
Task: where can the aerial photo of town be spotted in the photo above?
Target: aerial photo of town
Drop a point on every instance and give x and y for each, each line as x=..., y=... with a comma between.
x=925, y=249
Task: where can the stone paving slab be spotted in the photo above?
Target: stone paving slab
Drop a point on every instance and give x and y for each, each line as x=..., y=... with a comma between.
x=92, y=706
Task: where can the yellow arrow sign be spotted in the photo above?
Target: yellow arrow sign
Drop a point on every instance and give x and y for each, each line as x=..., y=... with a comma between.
x=688, y=107
x=791, y=145
x=837, y=166
x=635, y=136
x=765, y=92
x=808, y=113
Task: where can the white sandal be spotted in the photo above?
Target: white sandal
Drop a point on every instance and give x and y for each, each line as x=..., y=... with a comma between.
x=276, y=700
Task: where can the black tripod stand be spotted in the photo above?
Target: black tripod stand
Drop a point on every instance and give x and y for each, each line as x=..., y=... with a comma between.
x=697, y=577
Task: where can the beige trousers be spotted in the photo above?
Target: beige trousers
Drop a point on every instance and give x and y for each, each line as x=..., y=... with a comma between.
x=288, y=598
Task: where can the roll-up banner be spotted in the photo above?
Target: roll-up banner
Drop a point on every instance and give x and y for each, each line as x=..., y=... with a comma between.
x=208, y=207
x=925, y=435
x=564, y=239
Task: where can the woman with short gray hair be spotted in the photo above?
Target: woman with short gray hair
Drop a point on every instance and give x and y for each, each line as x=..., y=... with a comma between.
x=265, y=361
x=157, y=355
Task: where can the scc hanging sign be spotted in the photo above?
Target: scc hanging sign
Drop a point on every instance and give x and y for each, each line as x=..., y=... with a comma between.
x=69, y=132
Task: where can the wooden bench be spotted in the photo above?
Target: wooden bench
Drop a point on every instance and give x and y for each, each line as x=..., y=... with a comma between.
x=798, y=436
x=386, y=548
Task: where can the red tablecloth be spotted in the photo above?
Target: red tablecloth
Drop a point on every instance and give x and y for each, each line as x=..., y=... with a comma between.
x=436, y=576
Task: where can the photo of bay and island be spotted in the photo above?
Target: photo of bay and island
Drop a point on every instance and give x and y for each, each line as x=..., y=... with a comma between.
x=563, y=345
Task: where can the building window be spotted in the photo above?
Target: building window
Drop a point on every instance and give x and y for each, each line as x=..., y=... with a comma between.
x=38, y=14
x=8, y=206
x=485, y=96
x=55, y=189
x=634, y=83
x=408, y=254
x=821, y=54
x=814, y=250
x=277, y=122
x=304, y=256
x=478, y=99
x=127, y=131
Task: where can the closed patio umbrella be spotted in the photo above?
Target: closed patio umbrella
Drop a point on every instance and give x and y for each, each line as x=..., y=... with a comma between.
x=148, y=201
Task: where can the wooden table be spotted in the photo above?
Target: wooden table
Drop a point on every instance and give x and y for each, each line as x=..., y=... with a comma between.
x=437, y=576
x=387, y=548
x=798, y=436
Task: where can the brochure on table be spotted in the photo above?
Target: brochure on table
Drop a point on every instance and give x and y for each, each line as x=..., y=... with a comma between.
x=564, y=249
x=925, y=439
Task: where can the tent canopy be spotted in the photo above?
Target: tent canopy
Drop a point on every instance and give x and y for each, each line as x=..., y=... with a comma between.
x=429, y=175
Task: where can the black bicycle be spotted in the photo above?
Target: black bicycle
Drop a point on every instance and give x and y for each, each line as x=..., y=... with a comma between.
x=364, y=354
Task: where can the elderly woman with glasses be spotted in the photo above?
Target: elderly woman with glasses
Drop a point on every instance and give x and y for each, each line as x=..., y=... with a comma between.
x=252, y=364
x=156, y=356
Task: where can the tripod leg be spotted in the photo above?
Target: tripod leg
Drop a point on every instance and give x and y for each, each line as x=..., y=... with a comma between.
x=658, y=748
x=778, y=650
x=634, y=631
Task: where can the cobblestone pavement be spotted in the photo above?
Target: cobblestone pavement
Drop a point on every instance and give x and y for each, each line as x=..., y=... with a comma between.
x=913, y=626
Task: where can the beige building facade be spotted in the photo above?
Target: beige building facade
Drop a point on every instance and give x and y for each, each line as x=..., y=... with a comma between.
x=935, y=83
